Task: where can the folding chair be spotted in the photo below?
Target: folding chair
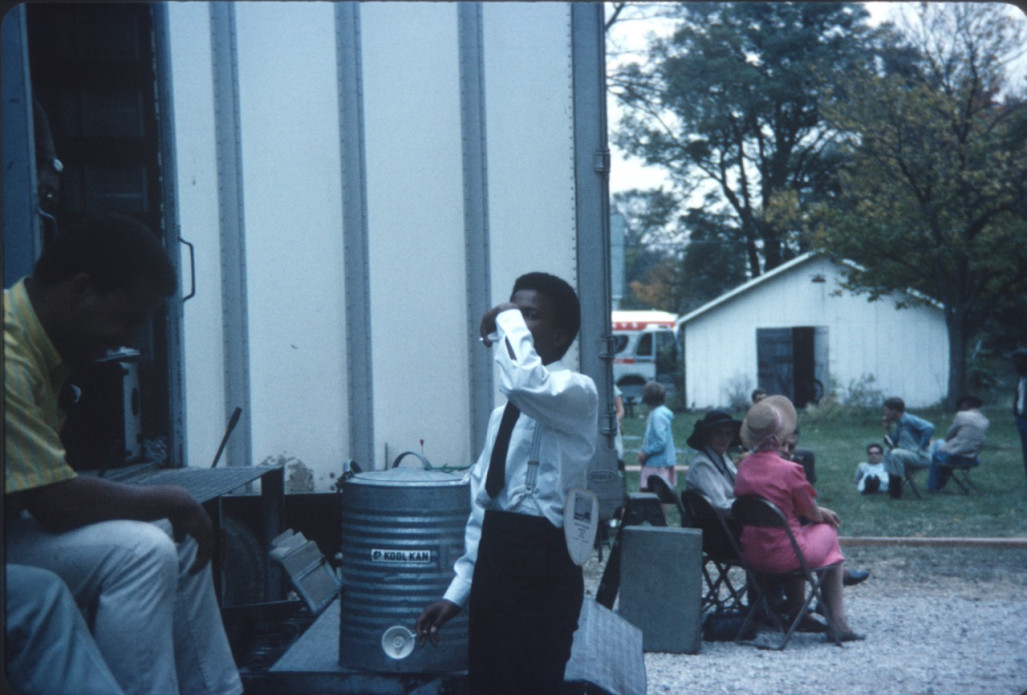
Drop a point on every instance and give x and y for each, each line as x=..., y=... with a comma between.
x=720, y=549
x=662, y=490
x=638, y=509
x=960, y=474
x=752, y=510
x=907, y=479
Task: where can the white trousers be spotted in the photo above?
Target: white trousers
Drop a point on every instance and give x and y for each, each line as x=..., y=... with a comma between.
x=49, y=650
x=158, y=627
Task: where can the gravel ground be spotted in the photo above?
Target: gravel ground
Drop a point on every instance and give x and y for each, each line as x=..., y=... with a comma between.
x=938, y=621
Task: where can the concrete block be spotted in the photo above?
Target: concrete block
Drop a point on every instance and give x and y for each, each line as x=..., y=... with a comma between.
x=661, y=586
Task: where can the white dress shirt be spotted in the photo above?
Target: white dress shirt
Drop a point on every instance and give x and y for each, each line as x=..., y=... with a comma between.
x=559, y=418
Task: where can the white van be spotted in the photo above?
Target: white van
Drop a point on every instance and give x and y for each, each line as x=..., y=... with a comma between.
x=645, y=348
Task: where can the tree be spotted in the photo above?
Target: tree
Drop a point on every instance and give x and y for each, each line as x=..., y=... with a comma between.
x=650, y=252
x=730, y=107
x=714, y=260
x=934, y=196
x=661, y=269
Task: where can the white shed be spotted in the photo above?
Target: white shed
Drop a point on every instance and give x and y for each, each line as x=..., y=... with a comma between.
x=794, y=331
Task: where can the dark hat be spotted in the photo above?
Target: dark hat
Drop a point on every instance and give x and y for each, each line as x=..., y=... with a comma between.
x=973, y=401
x=697, y=440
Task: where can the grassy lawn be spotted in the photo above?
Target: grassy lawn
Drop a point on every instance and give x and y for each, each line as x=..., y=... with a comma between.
x=839, y=439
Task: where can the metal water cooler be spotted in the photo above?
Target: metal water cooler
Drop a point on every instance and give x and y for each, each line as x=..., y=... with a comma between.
x=402, y=530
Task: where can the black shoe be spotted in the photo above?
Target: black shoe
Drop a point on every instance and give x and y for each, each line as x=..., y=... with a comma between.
x=853, y=577
x=807, y=623
x=844, y=636
x=895, y=487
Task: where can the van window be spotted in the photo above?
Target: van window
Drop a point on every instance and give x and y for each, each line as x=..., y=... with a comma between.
x=667, y=353
x=619, y=343
x=645, y=345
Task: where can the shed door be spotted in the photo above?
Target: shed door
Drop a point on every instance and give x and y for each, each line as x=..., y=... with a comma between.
x=787, y=363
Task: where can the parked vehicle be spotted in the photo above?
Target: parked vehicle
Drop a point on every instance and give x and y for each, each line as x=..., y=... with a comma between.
x=313, y=184
x=645, y=349
x=341, y=216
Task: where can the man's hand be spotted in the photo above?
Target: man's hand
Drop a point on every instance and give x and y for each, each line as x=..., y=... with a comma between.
x=433, y=618
x=488, y=321
x=190, y=518
x=88, y=499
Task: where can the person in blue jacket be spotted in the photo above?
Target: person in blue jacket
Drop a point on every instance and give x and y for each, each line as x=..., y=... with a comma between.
x=657, y=454
x=908, y=438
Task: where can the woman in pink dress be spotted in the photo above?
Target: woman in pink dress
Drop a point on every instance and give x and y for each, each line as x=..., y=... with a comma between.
x=766, y=474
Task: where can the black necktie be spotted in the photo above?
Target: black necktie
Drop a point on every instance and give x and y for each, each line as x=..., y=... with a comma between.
x=496, y=477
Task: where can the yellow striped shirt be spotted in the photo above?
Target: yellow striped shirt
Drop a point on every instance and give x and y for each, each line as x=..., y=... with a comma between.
x=33, y=375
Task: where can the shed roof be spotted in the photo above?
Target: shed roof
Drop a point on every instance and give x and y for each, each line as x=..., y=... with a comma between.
x=745, y=287
x=782, y=269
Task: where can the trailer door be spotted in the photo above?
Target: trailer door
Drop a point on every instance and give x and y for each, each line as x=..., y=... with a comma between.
x=95, y=69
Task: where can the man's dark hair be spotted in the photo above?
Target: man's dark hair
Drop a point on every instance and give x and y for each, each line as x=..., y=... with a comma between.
x=875, y=445
x=566, y=308
x=114, y=250
x=895, y=403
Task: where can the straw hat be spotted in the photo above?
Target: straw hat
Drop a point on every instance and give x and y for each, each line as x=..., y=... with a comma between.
x=774, y=415
x=714, y=418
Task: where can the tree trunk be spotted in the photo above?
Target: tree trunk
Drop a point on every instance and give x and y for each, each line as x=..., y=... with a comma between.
x=955, y=323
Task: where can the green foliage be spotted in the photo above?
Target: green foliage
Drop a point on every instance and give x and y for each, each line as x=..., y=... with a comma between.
x=650, y=256
x=661, y=275
x=714, y=261
x=731, y=103
x=739, y=391
x=981, y=373
x=859, y=399
x=999, y=509
x=861, y=395
x=933, y=191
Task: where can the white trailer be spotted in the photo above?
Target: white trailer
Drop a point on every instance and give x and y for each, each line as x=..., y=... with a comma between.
x=358, y=183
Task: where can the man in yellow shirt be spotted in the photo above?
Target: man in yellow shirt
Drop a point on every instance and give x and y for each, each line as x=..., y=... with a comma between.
x=147, y=586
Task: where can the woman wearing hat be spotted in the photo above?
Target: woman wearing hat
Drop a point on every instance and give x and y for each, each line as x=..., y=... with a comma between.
x=711, y=471
x=766, y=474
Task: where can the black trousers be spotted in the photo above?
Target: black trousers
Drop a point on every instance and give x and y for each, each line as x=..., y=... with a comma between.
x=525, y=600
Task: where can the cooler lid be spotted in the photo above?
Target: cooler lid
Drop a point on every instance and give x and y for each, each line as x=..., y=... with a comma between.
x=406, y=477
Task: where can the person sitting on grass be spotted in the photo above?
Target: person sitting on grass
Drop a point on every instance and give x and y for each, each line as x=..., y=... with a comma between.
x=871, y=475
x=962, y=443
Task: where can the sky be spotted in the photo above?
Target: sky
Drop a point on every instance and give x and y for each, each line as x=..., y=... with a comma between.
x=626, y=38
